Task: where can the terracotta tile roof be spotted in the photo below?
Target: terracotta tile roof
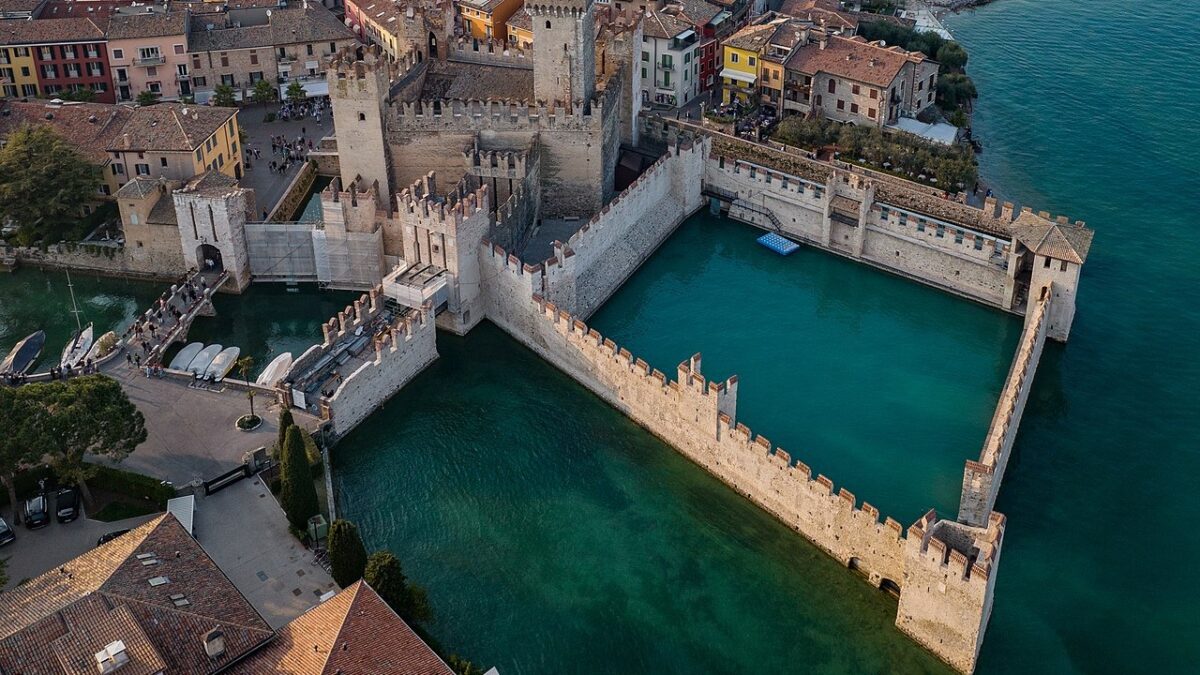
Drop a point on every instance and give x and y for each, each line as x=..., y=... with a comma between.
x=156, y=24
x=520, y=19
x=353, y=632
x=172, y=127
x=138, y=188
x=751, y=38
x=699, y=12
x=57, y=621
x=18, y=6
x=50, y=31
x=89, y=127
x=853, y=59
x=819, y=11
x=210, y=183
x=286, y=26
x=1062, y=241
x=664, y=25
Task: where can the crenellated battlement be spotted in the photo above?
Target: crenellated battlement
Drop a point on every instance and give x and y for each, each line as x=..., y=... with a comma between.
x=493, y=163
x=418, y=201
x=507, y=114
x=490, y=53
x=573, y=9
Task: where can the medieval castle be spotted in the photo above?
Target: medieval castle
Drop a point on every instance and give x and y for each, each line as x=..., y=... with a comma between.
x=485, y=187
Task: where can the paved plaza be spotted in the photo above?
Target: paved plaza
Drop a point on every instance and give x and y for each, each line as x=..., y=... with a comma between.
x=269, y=187
x=36, y=551
x=245, y=532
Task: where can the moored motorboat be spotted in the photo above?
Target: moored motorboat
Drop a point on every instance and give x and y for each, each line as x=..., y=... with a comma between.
x=275, y=370
x=184, y=358
x=26, y=352
x=222, y=364
x=75, y=352
x=102, y=346
x=199, y=365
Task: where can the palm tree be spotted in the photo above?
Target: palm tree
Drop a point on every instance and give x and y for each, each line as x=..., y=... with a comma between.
x=244, y=365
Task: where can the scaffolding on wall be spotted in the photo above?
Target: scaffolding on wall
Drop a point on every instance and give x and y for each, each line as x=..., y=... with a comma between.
x=281, y=252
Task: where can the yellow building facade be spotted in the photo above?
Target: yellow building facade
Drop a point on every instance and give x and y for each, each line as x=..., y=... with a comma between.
x=739, y=73
x=18, y=76
x=487, y=19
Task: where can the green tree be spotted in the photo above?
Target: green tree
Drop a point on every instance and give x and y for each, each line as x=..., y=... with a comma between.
x=223, y=96
x=347, y=555
x=83, y=95
x=462, y=666
x=43, y=182
x=244, y=365
x=147, y=97
x=285, y=422
x=954, y=90
x=89, y=415
x=385, y=574
x=295, y=92
x=297, y=493
x=264, y=92
x=958, y=118
x=952, y=56
x=23, y=442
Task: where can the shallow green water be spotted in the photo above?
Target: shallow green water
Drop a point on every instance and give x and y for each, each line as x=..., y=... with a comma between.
x=883, y=385
x=31, y=299
x=555, y=536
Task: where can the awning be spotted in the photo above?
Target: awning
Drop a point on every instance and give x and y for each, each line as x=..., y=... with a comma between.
x=740, y=75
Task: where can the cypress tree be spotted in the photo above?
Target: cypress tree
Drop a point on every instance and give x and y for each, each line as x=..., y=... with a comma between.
x=285, y=421
x=385, y=574
x=347, y=555
x=297, y=493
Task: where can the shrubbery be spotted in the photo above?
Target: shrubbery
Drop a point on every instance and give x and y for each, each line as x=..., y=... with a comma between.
x=953, y=167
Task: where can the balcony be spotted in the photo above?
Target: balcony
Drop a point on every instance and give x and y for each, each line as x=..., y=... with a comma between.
x=152, y=60
x=665, y=66
x=183, y=77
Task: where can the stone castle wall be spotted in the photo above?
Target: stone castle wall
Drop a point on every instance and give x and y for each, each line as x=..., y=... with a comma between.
x=114, y=261
x=698, y=418
x=590, y=266
x=982, y=478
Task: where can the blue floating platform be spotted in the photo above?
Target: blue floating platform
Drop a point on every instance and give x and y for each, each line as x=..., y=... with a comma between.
x=778, y=244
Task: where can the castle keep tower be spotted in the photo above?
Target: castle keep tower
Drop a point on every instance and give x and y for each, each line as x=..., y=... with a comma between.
x=358, y=90
x=564, y=50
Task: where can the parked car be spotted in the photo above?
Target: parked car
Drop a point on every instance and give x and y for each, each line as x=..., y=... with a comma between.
x=37, y=512
x=66, y=505
x=6, y=533
x=109, y=537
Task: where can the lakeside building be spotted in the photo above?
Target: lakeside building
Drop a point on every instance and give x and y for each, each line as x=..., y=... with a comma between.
x=852, y=80
x=281, y=45
x=152, y=601
x=148, y=51
x=68, y=55
x=486, y=19
x=173, y=141
x=670, y=65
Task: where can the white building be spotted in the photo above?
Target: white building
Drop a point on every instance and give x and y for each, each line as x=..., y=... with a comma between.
x=670, y=59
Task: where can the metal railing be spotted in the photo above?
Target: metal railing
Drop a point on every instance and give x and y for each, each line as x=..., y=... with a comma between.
x=156, y=60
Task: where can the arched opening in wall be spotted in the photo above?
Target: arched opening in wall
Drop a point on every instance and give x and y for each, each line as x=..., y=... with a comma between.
x=855, y=566
x=890, y=587
x=433, y=46
x=237, y=171
x=209, y=257
x=358, y=54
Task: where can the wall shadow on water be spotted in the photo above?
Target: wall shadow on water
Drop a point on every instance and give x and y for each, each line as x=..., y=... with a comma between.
x=554, y=535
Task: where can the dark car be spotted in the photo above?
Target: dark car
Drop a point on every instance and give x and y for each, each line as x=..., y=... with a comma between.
x=6, y=533
x=66, y=505
x=109, y=537
x=37, y=512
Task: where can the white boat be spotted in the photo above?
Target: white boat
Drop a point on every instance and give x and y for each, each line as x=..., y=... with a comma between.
x=94, y=353
x=275, y=370
x=222, y=364
x=199, y=365
x=184, y=358
x=76, y=350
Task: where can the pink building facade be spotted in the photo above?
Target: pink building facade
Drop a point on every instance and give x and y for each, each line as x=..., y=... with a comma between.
x=148, y=52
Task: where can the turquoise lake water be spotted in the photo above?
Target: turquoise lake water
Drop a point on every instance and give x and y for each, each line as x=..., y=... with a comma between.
x=555, y=536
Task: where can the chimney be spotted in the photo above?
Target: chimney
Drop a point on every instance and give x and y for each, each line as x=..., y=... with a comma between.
x=214, y=643
x=823, y=40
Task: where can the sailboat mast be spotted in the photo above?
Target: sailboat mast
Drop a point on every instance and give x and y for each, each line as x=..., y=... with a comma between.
x=74, y=307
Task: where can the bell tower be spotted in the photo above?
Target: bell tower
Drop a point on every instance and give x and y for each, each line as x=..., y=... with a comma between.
x=564, y=50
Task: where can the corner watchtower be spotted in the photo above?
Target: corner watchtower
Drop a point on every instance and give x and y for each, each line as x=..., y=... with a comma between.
x=564, y=50
x=358, y=91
